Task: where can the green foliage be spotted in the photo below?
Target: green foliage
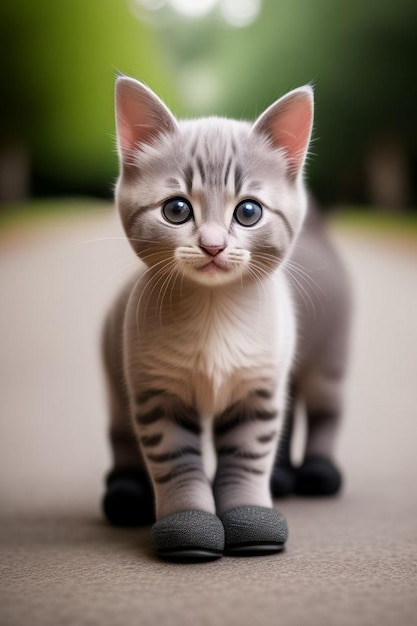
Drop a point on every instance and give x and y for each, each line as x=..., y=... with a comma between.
x=360, y=56
x=61, y=60
x=372, y=220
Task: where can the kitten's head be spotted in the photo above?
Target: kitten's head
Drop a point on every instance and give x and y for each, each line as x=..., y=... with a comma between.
x=214, y=199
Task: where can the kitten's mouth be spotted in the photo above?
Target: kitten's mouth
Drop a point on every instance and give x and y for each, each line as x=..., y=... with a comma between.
x=212, y=267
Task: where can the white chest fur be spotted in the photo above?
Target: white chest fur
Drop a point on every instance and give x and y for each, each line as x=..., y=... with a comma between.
x=216, y=345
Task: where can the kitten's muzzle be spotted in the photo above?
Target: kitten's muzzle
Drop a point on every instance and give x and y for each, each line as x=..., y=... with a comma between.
x=212, y=239
x=212, y=250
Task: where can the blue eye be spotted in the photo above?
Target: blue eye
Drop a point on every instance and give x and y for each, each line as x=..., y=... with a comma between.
x=177, y=211
x=248, y=213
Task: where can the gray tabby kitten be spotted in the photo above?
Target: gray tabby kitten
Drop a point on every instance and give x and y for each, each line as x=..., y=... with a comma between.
x=201, y=344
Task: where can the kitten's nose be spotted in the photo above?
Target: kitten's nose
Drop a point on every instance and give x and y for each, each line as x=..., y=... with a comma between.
x=212, y=238
x=212, y=250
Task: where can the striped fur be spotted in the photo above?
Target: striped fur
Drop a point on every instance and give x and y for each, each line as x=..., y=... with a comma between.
x=206, y=349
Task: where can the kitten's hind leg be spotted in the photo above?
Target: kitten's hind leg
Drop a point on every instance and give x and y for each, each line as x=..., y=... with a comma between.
x=284, y=473
x=321, y=384
x=128, y=498
x=318, y=474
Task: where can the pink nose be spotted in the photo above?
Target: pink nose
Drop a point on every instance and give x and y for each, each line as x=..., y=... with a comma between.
x=212, y=250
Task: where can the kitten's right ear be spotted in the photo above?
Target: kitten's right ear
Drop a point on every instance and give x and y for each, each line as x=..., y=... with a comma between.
x=287, y=123
x=140, y=116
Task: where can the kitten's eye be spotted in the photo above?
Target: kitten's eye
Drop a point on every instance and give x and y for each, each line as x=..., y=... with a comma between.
x=177, y=211
x=248, y=213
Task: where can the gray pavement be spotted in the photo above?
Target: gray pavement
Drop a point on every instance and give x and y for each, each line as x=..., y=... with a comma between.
x=352, y=560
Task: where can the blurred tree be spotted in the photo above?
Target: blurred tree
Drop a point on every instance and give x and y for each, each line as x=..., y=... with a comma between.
x=361, y=57
x=58, y=61
x=58, y=65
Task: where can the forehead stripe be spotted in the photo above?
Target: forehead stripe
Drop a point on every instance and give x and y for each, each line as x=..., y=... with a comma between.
x=201, y=170
x=227, y=172
x=188, y=177
x=238, y=179
x=193, y=148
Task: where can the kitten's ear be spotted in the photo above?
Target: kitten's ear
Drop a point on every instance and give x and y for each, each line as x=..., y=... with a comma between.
x=288, y=123
x=140, y=116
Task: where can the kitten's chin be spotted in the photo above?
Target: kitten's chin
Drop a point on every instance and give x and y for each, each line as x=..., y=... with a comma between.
x=222, y=269
x=211, y=275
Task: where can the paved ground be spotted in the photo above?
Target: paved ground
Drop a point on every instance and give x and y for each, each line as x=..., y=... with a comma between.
x=351, y=560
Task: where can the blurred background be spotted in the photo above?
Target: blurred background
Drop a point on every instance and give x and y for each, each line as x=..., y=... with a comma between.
x=63, y=256
x=226, y=57
x=63, y=253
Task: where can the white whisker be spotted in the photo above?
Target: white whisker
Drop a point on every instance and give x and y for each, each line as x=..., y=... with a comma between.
x=163, y=262
x=173, y=273
x=122, y=267
x=302, y=292
x=316, y=289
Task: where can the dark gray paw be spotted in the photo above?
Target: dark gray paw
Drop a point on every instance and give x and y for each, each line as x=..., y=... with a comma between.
x=189, y=536
x=318, y=476
x=128, y=500
x=254, y=530
x=283, y=480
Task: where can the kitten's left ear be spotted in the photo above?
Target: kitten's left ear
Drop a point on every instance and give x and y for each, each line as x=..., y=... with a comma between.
x=288, y=123
x=140, y=116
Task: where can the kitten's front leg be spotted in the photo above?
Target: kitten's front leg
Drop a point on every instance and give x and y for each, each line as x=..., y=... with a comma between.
x=245, y=438
x=170, y=437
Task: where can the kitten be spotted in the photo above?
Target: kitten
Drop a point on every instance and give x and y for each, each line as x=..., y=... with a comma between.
x=202, y=342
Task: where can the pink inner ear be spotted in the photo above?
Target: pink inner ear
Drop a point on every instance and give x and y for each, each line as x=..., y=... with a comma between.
x=288, y=124
x=130, y=128
x=140, y=116
x=291, y=130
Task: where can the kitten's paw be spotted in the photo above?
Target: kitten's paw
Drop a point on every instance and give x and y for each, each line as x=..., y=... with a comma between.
x=283, y=480
x=318, y=476
x=128, y=500
x=189, y=536
x=254, y=531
